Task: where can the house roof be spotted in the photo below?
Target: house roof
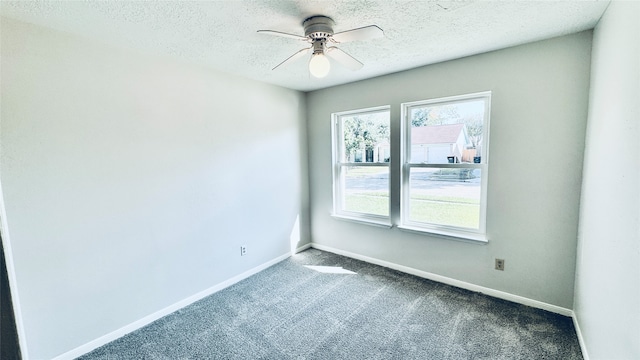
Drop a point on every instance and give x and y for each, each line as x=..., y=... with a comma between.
x=436, y=134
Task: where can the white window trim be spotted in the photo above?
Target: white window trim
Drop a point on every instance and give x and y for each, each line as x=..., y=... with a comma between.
x=336, y=140
x=405, y=143
x=383, y=222
x=458, y=235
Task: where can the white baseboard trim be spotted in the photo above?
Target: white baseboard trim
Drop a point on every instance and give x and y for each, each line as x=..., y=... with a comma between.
x=449, y=281
x=583, y=347
x=105, y=339
x=302, y=248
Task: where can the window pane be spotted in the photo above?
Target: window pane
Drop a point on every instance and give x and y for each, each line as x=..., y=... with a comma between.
x=365, y=137
x=447, y=133
x=448, y=197
x=366, y=189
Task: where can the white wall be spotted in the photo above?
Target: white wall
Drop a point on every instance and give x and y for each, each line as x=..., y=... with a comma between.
x=538, y=121
x=131, y=181
x=607, y=296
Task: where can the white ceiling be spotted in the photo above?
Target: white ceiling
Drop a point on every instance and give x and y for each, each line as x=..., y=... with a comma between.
x=222, y=34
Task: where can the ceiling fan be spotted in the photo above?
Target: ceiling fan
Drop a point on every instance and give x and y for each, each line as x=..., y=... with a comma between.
x=318, y=31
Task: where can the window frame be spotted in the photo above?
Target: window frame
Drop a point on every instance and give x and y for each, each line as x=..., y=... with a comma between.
x=338, y=167
x=405, y=172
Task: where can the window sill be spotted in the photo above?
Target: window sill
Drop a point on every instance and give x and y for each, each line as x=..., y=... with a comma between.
x=362, y=220
x=452, y=235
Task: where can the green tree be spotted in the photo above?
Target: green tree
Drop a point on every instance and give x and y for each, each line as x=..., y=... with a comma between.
x=436, y=115
x=474, y=129
x=363, y=132
x=420, y=117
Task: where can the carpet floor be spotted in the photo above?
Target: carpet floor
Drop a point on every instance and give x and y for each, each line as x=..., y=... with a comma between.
x=318, y=305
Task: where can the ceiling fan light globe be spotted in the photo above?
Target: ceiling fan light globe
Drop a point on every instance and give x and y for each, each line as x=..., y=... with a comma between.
x=319, y=65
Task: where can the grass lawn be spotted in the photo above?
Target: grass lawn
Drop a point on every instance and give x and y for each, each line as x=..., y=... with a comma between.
x=442, y=210
x=461, y=214
x=370, y=202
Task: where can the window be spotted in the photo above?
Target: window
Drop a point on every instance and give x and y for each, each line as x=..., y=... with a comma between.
x=361, y=155
x=444, y=172
x=443, y=177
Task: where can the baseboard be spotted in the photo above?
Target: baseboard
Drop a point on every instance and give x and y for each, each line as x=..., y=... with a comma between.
x=583, y=347
x=302, y=248
x=103, y=340
x=449, y=281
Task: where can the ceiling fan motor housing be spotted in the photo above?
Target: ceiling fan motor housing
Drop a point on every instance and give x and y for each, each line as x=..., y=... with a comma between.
x=318, y=27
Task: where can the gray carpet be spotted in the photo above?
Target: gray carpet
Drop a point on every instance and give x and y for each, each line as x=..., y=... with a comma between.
x=289, y=311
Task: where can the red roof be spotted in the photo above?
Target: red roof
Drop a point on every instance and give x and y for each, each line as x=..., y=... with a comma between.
x=436, y=134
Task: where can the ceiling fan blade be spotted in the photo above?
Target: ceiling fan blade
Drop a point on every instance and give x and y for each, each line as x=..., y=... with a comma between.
x=363, y=33
x=343, y=58
x=283, y=34
x=294, y=57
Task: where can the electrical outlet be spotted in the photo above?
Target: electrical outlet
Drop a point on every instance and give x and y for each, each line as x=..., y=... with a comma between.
x=500, y=264
x=243, y=250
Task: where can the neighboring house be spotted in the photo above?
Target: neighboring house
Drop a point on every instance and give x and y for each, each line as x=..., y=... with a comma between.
x=381, y=152
x=434, y=144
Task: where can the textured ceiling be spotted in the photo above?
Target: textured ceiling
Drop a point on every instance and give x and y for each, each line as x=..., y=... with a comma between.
x=222, y=34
